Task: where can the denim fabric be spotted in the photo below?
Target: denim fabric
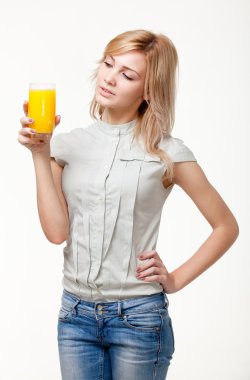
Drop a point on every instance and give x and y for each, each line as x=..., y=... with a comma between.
x=128, y=339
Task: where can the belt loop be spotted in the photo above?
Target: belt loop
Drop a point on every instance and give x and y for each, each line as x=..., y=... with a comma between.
x=75, y=305
x=119, y=308
x=166, y=299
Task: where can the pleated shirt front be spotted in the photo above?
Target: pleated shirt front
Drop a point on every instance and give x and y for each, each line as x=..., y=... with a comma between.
x=115, y=196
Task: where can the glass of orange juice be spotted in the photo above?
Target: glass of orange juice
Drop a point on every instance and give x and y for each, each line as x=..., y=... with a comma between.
x=42, y=106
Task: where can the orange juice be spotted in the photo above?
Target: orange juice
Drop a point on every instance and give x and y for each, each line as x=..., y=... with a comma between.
x=42, y=106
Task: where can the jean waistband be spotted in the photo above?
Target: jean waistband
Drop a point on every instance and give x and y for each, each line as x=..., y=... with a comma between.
x=136, y=304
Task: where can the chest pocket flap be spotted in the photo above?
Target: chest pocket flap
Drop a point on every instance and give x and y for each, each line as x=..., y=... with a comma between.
x=130, y=155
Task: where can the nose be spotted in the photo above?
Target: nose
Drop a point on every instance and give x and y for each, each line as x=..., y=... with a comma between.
x=110, y=79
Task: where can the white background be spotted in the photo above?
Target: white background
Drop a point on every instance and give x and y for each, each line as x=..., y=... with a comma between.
x=60, y=42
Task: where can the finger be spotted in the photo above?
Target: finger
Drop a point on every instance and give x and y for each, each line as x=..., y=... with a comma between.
x=150, y=263
x=25, y=121
x=154, y=271
x=26, y=131
x=25, y=107
x=155, y=278
x=57, y=120
x=27, y=141
x=35, y=138
x=23, y=140
x=148, y=255
x=149, y=272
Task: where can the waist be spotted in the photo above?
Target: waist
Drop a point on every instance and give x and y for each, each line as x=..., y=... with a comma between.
x=137, y=304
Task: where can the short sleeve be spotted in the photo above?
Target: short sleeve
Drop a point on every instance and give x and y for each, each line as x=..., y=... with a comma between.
x=177, y=150
x=58, y=148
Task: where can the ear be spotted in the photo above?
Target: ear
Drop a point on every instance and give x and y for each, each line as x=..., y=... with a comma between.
x=146, y=98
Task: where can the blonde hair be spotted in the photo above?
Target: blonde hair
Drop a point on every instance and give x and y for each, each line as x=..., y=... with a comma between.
x=155, y=116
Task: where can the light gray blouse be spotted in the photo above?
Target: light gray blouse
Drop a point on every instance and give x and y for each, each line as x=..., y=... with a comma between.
x=115, y=196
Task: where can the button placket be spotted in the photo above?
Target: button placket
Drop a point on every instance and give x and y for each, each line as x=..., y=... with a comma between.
x=117, y=197
x=97, y=224
x=130, y=189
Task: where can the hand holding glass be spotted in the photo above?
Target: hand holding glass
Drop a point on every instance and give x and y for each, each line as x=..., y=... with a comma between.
x=42, y=106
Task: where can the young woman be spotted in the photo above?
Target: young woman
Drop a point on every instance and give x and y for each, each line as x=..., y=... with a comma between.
x=101, y=189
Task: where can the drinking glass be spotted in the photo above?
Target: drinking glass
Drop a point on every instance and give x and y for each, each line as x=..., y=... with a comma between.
x=42, y=106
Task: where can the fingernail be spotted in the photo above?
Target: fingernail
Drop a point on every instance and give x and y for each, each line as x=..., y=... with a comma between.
x=31, y=120
x=141, y=257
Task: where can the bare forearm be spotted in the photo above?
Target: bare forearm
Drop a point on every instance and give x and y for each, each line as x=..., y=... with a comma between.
x=53, y=220
x=218, y=242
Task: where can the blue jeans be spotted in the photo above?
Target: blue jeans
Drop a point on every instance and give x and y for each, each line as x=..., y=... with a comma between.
x=130, y=339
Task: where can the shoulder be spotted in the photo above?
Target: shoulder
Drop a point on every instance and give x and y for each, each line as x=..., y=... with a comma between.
x=75, y=135
x=177, y=149
x=64, y=144
x=69, y=135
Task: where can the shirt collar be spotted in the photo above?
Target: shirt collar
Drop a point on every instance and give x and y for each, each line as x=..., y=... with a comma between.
x=116, y=129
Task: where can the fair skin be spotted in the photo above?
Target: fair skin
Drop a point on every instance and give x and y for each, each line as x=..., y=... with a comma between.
x=127, y=86
x=121, y=107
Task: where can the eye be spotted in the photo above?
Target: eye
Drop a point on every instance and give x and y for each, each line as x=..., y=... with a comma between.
x=109, y=65
x=127, y=77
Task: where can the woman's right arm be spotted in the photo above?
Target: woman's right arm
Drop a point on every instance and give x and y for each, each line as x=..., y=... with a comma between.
x=52, y=206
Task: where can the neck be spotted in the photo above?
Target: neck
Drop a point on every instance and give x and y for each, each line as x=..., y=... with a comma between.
x=116, y=117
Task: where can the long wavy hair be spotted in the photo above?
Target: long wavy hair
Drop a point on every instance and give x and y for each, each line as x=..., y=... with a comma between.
x=156, y=115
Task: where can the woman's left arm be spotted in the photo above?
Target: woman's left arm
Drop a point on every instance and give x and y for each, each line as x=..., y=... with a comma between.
x=191, y=178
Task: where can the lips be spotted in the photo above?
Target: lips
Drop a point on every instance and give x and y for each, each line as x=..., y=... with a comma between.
x=106, y=90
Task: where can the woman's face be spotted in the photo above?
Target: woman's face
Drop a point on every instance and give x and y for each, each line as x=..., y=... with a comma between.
x=123, y=75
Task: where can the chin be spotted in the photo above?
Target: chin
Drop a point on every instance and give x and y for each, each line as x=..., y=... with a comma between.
x=101, y=103
x=100, y=100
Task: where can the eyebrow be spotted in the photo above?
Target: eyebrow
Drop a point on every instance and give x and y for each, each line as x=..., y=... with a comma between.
x=125, y=67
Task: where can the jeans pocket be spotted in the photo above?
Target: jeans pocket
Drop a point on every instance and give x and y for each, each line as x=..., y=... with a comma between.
x=148, y=321
x=63, y=313
x=67, y=307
